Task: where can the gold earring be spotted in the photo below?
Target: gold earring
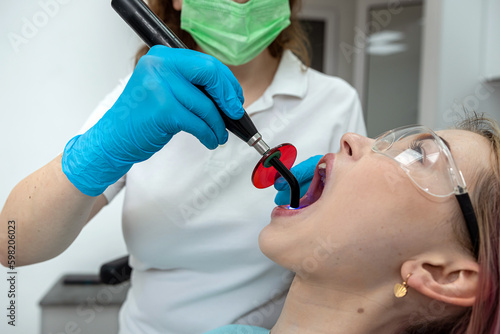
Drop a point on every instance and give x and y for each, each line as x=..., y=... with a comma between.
x=400, y=290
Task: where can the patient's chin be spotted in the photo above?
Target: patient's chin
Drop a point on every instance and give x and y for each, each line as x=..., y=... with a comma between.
x=269, y=243
x=275, y=246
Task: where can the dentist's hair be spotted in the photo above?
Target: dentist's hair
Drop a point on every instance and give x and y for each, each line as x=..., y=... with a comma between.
x=293, y=37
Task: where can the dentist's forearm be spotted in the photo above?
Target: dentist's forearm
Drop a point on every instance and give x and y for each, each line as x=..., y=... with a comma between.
x=48, y=213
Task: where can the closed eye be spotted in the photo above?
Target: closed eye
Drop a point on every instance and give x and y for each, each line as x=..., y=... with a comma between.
x=417, y=146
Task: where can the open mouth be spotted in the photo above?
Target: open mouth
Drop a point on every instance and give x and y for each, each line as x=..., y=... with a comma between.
x=321, y=177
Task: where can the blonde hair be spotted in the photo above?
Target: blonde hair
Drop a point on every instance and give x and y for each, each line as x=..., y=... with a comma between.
x=484, y=316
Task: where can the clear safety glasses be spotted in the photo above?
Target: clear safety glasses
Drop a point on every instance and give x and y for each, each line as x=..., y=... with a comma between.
x=427, y=160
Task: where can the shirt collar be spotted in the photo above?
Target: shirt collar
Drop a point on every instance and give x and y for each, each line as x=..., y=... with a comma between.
x=290, y=79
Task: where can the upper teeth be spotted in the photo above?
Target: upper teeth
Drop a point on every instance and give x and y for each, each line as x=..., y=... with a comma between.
x=322, y=171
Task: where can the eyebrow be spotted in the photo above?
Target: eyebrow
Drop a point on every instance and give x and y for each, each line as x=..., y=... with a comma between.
x=445, y=142
x=429, y=136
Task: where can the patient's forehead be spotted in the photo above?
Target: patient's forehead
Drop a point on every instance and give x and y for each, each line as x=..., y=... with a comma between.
x=470, y=150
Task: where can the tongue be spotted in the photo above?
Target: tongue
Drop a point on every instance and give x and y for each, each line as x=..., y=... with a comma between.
x=316, y=188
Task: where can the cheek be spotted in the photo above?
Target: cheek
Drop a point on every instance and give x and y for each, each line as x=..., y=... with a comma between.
x=364, y=193
x=177, y=4
x=388, y=220
x=377, y=209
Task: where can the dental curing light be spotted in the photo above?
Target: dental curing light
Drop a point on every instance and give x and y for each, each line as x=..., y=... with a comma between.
x=274, y=162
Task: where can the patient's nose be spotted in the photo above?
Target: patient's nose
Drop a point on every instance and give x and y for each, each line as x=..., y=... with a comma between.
x=354, y=145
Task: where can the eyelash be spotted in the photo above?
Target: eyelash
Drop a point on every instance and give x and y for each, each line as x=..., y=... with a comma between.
x=416, y=145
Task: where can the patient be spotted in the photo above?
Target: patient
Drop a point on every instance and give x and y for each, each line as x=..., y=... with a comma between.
x=386, y=240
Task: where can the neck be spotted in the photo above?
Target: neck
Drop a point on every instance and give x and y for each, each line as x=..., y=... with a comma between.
x=255, y=76
x=313, y=308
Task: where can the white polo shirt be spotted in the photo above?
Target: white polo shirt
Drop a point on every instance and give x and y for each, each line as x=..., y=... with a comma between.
x=191, y=216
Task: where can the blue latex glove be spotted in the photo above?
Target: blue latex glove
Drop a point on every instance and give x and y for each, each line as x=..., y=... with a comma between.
x=159, y=100
x=304, y=172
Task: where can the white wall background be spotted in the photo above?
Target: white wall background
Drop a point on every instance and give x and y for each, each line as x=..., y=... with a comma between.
x=342, y=31
x=460, y=39
x=460, y=52
x=492, y=44
x=48, y=86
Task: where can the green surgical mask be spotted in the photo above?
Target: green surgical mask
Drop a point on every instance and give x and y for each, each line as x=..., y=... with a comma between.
x=232, y=32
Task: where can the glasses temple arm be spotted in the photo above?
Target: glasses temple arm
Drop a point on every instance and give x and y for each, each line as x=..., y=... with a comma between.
x=470, y=219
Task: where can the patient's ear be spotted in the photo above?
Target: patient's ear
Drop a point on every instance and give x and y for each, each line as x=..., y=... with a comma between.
x=452, y=279
x=177, y=4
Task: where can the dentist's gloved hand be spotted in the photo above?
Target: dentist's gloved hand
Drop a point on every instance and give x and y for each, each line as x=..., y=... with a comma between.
x=304, y=173
x=159, y=100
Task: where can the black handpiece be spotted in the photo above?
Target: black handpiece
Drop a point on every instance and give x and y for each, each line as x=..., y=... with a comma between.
x=153, y=31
